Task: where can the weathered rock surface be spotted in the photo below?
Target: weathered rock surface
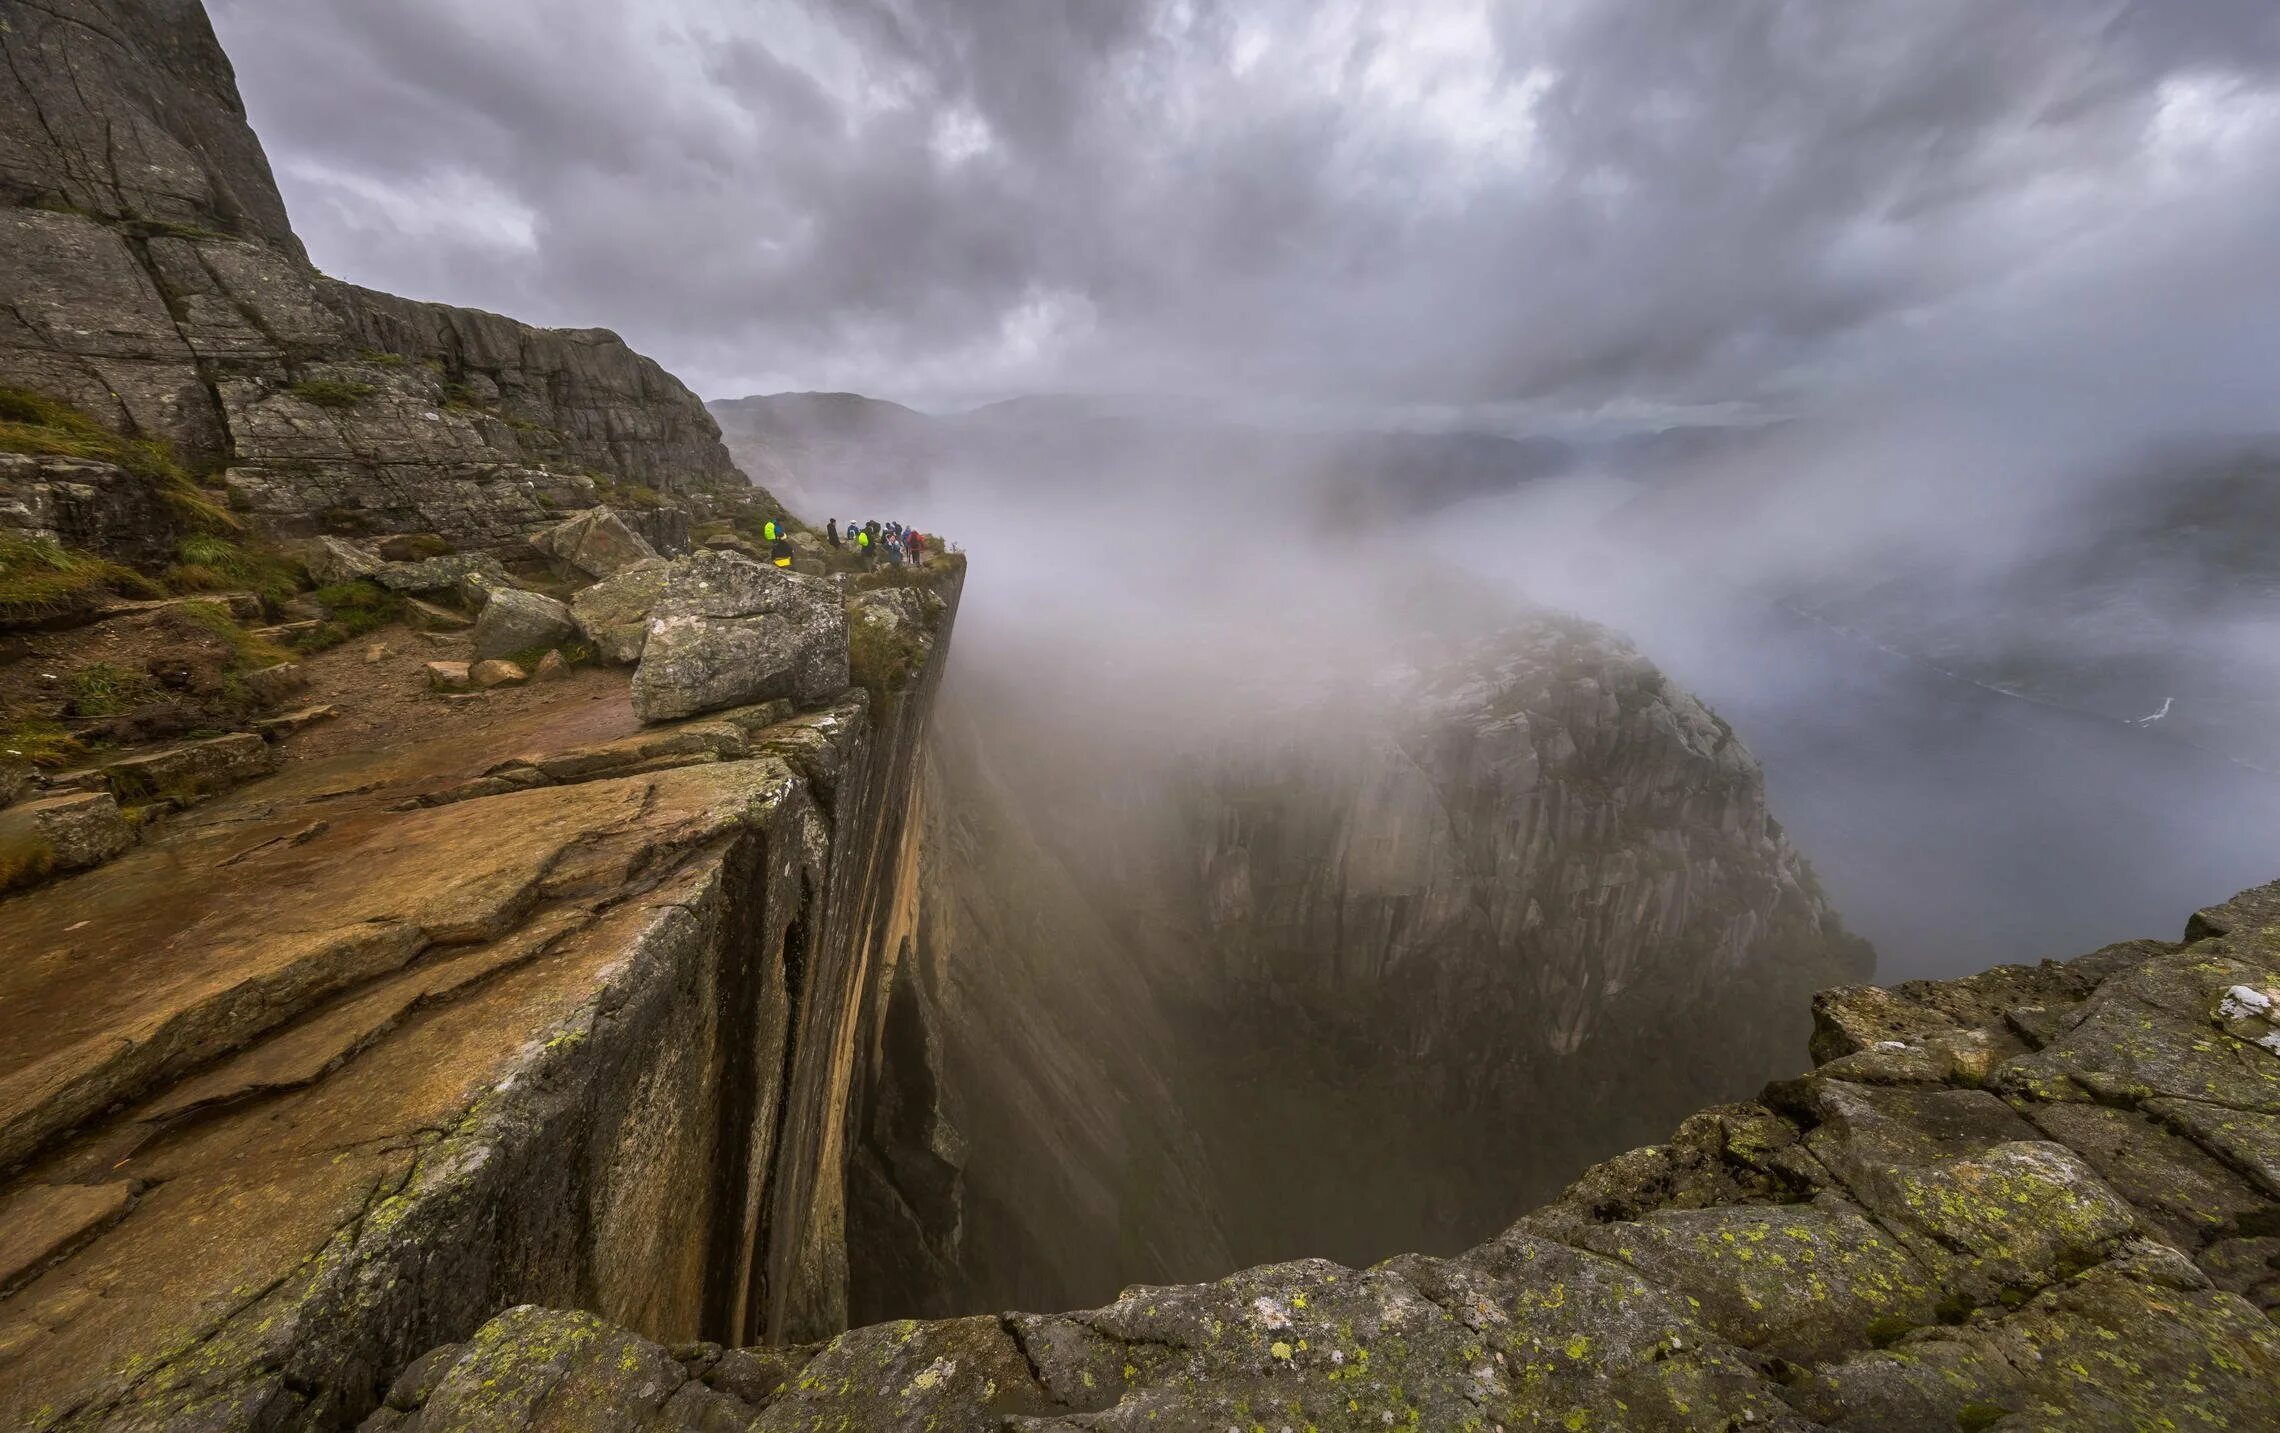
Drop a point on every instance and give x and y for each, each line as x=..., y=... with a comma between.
x=322, y=1076
x=185, y=772
x=723, y=630
x=613, y=614
x=450, y=573
x=154, y=282
x=82, y=503
x=2081, y=1236
x=597, y=543
x=496, y=672
x=517, y=621
x=60, y=833
x=333, y=559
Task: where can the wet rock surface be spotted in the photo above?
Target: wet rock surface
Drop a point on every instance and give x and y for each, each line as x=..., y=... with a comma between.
x=2078, y=1233
x=597, y=543
x=556, y=1008
x=721, y=630
x=513, y=620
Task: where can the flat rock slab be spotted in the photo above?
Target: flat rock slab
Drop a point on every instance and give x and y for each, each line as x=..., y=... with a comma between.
x=284, y=724
x=282, y=1046
x=190, y=771
x=43, y=1221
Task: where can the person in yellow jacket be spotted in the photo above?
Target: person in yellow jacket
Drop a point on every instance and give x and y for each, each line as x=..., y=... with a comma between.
x=769, y=532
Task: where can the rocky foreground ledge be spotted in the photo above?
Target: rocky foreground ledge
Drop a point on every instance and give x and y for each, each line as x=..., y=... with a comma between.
x=2041, y=1197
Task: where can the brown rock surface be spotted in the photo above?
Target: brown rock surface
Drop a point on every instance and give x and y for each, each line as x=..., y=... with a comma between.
x=378, y=1069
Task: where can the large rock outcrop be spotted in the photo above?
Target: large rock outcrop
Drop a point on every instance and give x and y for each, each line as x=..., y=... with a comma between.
x=2043, y=1197
x=333, y=1068
x=154, y=283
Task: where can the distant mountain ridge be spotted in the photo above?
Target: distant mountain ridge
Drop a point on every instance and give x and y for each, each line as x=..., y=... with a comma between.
x=825, y=450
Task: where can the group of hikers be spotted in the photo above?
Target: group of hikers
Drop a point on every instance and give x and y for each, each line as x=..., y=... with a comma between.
x=872, y=541
x=875, y=539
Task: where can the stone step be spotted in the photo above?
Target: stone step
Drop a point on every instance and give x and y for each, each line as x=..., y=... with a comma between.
x=287, y=631
x=184, y=774
x=284, y=724
x=244, y=606
x=429, y=617
x=59, y=834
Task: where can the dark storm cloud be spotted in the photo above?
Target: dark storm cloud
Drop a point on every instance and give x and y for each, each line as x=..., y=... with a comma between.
x=1449, y=202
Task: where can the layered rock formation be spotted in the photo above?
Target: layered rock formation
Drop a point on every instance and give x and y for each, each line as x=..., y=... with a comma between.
x=2043, y=1197
x=154, y=282
x=559, y=1009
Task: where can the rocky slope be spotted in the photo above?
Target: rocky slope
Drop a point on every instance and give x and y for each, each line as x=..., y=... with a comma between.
x=154, y=283
x=324, y=1037
x=2043, y=1197
x=552, y=1006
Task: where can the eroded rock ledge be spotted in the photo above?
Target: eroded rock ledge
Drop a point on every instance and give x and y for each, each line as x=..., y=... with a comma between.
x=565, y=1008
x=2037, y=1198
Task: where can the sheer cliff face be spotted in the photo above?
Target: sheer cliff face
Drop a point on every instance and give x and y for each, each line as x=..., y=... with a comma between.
x=2038, y=1197
x=154, y=282
x=1363, y=975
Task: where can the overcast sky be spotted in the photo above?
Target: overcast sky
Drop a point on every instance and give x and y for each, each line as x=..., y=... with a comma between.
x=1633, y=206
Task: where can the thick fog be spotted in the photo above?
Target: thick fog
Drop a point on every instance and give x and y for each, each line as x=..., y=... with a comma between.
x=1893, y=372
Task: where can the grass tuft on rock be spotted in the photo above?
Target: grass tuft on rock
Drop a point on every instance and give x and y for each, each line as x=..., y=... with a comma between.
x=34, y=423
x=248, y=652
x=41, y=580
x=46, y=427
x=331, y=392
x=24, y=861
x=612, y=493
x=883, y=659
x=206, y=562
x=40, y=741
x=351, y=610
x=101, y=689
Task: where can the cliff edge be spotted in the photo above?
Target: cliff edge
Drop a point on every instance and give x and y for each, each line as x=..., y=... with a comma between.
x=2042, y=1197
